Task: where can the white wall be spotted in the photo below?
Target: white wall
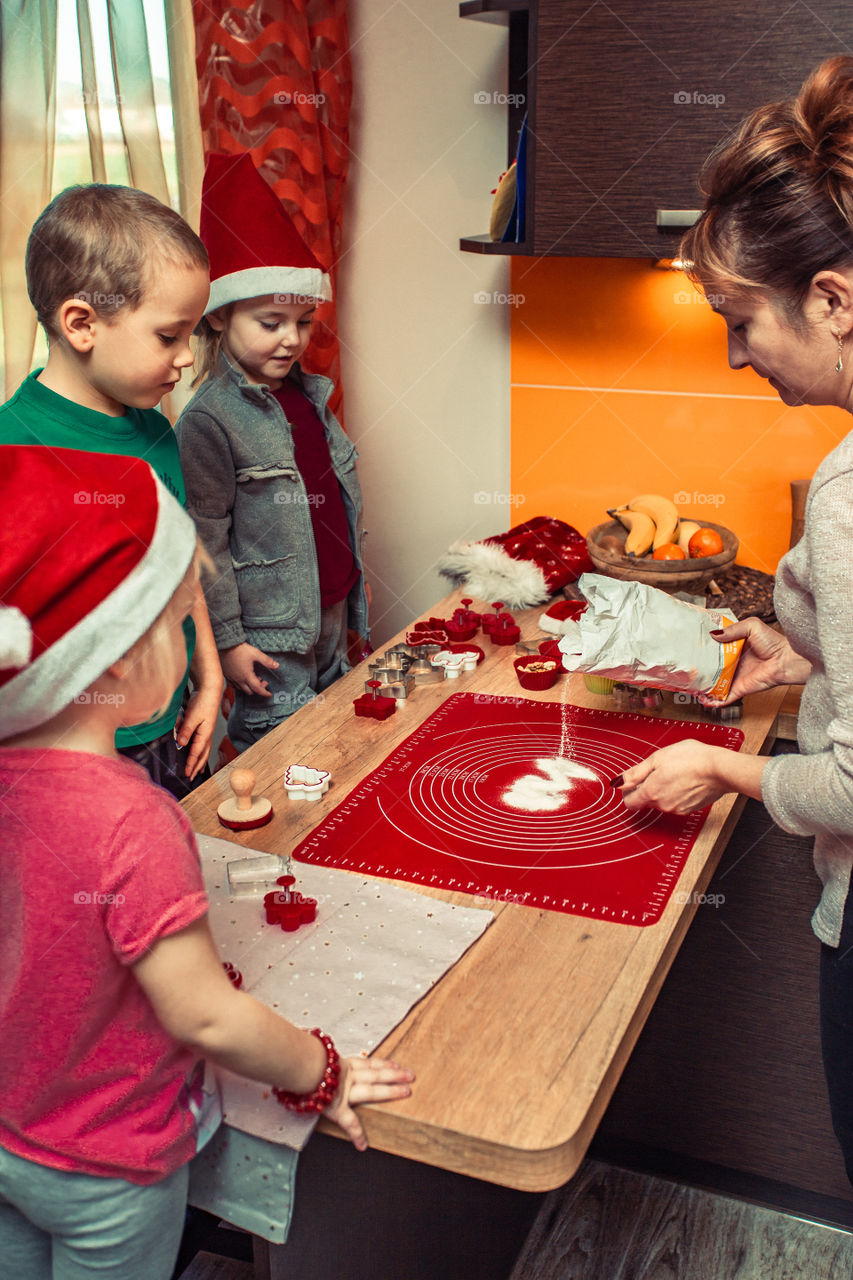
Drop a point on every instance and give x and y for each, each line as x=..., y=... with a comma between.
x=425, y=367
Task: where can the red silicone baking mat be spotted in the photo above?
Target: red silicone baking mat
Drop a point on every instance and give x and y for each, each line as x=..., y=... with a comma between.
x=443, y=809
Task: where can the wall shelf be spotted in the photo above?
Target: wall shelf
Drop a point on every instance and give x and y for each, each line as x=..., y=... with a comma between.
x=516, y=15
x=484, y=244
x=624, y=104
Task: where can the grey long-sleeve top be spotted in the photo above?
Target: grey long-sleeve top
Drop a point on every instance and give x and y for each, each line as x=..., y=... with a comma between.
x=812, y=793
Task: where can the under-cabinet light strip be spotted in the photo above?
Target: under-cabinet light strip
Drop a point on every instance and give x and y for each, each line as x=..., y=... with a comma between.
x=638, y=391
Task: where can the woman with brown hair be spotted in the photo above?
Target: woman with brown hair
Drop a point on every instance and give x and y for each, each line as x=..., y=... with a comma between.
x=774, y=246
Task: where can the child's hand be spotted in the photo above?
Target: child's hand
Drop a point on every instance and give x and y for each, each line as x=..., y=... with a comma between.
x=366, y=1080
x=196, y=728
x=183, y=978
x=238, y=666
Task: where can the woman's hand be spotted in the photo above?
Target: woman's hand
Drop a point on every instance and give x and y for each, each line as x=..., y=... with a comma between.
x=766, y=660
x=676, y=779
x=689, y=775
x=366, y=1080
x=238, y=665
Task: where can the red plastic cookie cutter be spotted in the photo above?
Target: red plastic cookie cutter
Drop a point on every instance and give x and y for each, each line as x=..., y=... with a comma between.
x=464, y=624
x=370, y=704
x=287, y=908
x=502, y=627
x=436, y=636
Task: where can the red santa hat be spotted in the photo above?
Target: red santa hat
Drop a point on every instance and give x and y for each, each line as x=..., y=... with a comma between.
x=253, y=246
x=521, y=567
x=92, y=549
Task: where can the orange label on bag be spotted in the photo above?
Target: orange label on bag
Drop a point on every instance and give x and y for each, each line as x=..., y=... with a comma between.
x=731, y=653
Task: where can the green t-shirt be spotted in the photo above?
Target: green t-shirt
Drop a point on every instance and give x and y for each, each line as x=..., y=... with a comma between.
x=37, y=415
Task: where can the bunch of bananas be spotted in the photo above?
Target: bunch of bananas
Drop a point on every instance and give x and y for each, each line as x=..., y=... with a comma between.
x=652, y=520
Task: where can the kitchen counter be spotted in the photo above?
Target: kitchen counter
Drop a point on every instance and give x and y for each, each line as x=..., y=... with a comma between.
x=520, y=1046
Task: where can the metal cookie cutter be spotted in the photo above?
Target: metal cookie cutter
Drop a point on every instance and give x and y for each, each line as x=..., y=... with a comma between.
x=399, y=687
x=423, y=672
x=385, y=670
x=402, y=653
x=425, y=650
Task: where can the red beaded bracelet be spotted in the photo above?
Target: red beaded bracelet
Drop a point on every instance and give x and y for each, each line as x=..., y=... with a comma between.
x=326, y=1089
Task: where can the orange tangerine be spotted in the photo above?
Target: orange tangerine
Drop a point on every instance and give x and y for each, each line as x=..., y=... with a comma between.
x=669, y=551
x=705, y=542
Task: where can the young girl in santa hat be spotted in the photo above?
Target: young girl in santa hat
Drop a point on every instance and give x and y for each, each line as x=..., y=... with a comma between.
x=270, y=476
x=111, y=987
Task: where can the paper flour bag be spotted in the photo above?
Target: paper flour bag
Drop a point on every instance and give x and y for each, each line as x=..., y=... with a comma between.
x=640, y=635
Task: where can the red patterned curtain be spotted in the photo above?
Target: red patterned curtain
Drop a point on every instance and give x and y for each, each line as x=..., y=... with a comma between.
x=275, y=80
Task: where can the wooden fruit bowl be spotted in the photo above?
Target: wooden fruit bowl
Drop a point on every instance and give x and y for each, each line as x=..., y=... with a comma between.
x=691, y=576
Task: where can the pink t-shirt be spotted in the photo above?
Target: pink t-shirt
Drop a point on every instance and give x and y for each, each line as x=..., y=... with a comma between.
x=97, y=864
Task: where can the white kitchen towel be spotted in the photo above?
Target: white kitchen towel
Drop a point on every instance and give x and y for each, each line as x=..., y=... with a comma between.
x=374, y=950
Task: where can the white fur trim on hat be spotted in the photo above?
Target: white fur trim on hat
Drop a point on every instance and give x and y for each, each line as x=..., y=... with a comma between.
x=257, y=282
x=557, y=626
x=61, y=673
x=16, y=638
x=490, y=574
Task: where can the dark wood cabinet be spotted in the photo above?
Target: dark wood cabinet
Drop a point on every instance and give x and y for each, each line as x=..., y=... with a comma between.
x=626, y=99
x=725, y=1085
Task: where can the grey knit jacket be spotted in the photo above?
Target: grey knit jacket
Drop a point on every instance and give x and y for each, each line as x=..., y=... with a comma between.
x=252, y=511
x=812, y=793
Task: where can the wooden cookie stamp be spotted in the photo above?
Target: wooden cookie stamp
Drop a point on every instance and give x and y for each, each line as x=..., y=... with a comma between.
x=242, y=811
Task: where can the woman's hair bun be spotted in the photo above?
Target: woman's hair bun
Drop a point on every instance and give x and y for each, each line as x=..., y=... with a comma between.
x=779, y=193
x=823, y=116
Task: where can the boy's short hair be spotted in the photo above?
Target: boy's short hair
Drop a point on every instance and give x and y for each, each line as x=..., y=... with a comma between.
x=99, y=242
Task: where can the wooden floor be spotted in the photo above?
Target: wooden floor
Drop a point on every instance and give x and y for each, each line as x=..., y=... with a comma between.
x=208, y=1266
x=609, y=1224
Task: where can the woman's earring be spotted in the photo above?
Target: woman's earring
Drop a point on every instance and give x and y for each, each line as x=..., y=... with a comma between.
x=840, y=365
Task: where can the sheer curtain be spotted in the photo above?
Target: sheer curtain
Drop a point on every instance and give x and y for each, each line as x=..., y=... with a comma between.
x=27, y=131
x=189, y=151
x=28, y=125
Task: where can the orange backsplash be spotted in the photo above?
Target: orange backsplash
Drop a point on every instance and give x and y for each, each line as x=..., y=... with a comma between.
x=620, y=385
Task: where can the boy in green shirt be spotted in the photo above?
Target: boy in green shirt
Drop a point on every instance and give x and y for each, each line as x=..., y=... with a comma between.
x=119, y=281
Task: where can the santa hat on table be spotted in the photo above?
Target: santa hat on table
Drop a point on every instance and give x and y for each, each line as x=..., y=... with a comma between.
x=92, y=549
x=521, y=567
x=253, y=246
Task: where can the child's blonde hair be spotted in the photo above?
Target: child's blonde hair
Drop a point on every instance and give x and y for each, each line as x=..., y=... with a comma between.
x=147, y=655
x=207, y=343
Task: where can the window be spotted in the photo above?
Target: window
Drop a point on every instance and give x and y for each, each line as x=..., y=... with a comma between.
x=87, y=129
x=71, y=160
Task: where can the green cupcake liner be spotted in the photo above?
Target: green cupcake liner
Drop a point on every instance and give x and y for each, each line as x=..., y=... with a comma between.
x=599, y=684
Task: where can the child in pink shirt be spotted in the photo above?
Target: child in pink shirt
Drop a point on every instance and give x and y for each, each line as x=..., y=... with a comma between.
x=111, y=991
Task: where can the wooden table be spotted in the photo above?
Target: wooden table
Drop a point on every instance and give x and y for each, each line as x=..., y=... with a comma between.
x=520, y=1046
